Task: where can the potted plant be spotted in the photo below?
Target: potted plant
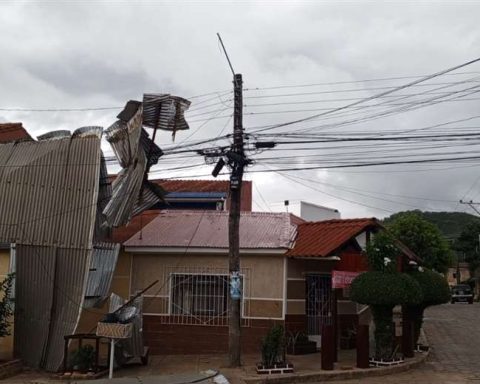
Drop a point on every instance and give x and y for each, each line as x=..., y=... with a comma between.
x=273, y=353
x=382, y=288
x=83, y=359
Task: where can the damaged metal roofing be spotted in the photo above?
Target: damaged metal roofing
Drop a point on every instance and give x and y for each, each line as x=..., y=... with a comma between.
x=56, y=201
x=100, y=275
x=49, y=190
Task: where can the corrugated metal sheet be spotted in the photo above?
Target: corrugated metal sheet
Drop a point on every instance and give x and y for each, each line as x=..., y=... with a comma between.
x=49, y=191
x=124, y=138
x=102, y=229
x=136, y=152
x=71, y=271
x=48, y=201
x=320, y=239
x=209, y=229
x=49, y=292
x=34, y=285
x=166, y=112
x=102, y=265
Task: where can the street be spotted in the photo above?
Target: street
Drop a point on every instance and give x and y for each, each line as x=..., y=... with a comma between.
x=454, y=334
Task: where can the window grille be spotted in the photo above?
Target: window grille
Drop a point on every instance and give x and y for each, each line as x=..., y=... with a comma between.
x=195, y=295
x=200, y=295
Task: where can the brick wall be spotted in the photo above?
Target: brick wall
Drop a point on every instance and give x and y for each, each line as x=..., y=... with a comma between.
x=171, y=339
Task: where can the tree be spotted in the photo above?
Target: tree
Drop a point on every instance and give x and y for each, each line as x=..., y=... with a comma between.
x=423, y=238
x=383, y=287
x=435, y=291
x=468, y=244
x=6, y=305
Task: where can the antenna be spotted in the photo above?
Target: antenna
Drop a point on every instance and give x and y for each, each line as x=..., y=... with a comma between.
x=226, y=54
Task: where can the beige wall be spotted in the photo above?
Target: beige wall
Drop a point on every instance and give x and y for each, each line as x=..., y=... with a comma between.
x=6, y=343
x=120, y=285
x=263, y=279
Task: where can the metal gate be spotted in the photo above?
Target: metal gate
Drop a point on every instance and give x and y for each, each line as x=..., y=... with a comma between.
x=318, y=303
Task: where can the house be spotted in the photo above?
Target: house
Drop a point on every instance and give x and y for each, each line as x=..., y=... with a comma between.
x=286, y=269
x=179, y=195
x=187, y=251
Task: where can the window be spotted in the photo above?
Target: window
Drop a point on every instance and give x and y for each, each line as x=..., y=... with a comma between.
x=200, y=295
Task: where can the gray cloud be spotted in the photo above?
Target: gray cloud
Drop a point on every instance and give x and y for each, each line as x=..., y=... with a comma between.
x=90, y=54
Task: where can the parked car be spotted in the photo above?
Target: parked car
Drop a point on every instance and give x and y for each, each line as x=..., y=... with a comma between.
x=462, y=293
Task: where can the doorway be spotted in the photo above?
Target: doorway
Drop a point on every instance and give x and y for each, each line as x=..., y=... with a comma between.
x=318, y=304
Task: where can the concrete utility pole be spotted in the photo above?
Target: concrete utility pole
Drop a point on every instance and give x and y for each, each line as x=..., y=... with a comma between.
x=237, y=158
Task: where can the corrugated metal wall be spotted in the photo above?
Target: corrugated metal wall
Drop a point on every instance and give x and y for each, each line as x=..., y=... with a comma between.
x=49, y=191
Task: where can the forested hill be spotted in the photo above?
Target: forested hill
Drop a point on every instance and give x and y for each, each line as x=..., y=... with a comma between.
x=450, y=224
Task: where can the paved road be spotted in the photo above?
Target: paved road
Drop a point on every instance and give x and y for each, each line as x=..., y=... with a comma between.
x=453, y=332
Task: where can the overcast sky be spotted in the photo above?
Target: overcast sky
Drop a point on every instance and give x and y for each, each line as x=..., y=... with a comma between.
x=91, y=54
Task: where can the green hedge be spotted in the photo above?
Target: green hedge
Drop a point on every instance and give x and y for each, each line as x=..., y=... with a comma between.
x=434, y=287
x=385, y=289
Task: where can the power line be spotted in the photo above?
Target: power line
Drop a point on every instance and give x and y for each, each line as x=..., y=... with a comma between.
x=352, y=81
x=410, y=84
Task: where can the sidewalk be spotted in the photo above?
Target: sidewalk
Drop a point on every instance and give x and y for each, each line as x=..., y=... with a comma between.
x=179, y=369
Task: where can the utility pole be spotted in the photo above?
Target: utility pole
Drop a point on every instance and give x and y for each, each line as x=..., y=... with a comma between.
x=236, y=160
x=237, y=157
x=471, y=204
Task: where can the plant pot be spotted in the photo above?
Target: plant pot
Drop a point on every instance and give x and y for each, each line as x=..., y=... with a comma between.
x=280, y=368
x=385, y=362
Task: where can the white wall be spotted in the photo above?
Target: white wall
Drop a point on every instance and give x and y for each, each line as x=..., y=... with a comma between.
x=313, y=212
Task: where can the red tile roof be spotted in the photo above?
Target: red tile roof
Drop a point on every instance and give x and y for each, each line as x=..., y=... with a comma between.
x=13, y=132
x=209, y=229
x=323, y=238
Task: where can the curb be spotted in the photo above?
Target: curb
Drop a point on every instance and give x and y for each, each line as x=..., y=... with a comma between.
x=355, y=373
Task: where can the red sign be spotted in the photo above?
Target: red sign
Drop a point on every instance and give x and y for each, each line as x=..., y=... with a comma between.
x=343, y=279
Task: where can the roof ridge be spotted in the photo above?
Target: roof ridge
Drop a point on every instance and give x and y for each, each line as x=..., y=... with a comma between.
x=354, y=220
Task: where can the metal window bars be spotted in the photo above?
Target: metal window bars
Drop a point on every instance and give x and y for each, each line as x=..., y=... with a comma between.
x=197, y=296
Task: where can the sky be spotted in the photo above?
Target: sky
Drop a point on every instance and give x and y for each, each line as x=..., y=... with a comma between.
x=297, y=59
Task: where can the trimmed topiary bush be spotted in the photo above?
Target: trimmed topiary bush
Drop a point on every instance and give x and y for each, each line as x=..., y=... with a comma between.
x=382, y=291
x=435, y=291
x=383, y=288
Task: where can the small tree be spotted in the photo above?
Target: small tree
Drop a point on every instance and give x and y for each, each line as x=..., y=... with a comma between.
x=435, y=291
x=468, y=244
x=273, y=346
x=423, y=238
x=6, y=305
x=382, y=289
